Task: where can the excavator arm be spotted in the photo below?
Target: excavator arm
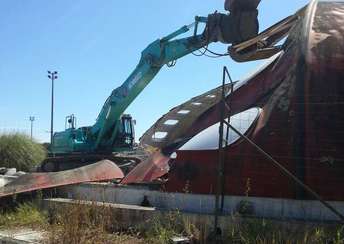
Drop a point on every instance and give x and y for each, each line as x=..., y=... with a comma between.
x=105, y=133
x=153, y=58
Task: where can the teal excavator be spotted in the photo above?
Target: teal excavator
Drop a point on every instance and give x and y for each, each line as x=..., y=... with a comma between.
x=112, y=135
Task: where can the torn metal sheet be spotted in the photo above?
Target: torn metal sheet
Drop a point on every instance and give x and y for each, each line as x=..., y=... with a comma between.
x=169, y=129
x=101, y=171
x=202, y=111
x=263, y=45
x=151, y=169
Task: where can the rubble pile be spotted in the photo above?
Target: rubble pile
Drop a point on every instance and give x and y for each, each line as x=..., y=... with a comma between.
x=9, y=174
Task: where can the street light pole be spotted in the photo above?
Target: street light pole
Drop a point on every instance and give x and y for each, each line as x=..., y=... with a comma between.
x=52, y=76
x=32, y=119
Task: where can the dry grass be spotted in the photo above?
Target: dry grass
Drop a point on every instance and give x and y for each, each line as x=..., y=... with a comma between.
x=87, y=224
x=80, y=223
x=94, y=224
x=262, y=231
x=162, y=228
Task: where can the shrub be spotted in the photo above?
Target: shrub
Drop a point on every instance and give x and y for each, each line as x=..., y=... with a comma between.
x=25, y=215
x=19, y=151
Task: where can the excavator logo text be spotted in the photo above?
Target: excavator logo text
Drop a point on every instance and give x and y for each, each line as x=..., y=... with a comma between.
x=134, y=80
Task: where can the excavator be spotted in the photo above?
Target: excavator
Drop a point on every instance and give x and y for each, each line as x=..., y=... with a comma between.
x=112, y=136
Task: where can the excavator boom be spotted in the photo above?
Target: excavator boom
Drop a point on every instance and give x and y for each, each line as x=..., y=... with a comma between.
x=103, y=134
x=113, y=131
x=153, y=58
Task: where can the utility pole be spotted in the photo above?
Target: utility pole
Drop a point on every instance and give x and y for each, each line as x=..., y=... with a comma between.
x=52, y=76
x=32, y=119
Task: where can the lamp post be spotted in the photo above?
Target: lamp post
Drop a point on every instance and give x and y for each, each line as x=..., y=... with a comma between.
x=52, y=76
x=32, y=119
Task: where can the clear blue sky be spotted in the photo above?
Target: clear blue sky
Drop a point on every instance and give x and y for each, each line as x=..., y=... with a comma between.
x=95, y=45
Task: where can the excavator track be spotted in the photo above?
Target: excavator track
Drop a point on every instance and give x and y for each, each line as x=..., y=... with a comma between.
x=125, y=160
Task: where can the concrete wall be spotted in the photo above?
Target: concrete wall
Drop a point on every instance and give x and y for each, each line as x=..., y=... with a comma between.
x=203, y=204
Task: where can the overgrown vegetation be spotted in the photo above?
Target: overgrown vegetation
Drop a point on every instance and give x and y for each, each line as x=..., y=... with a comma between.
x=87, y=224
x=19, y=151
x=162, y=228
x=25, y=215
x=101, y=224
x=95, y=224
x=263, y=231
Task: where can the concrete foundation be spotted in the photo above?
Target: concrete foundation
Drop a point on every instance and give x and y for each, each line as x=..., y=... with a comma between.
x=130, y=216
x=203, y=204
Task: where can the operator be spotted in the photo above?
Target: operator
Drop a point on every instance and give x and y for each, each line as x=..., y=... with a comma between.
x=240, y=24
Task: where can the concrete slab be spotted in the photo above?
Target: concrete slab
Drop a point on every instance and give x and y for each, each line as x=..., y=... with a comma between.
x=66, y=201
x=21, y=236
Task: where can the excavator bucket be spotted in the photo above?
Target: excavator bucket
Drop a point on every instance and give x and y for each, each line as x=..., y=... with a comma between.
x=104, y=170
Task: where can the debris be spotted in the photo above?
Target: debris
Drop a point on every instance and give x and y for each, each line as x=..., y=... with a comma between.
x=104, y=170
x=151, y=169
x=4, y=180
x=11, y=171
x=3, y=170
x=180, y=239
x=145, y=202
x=21, y=236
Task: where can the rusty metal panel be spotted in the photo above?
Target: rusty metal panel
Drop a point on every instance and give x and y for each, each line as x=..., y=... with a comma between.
x=104, y=170
x=163, y=134
x=301, y=124
x=246, y=93
x=300, y=94
x=151, y=169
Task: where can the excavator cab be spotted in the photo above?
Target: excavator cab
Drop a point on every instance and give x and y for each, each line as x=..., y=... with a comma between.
x=126, y=135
